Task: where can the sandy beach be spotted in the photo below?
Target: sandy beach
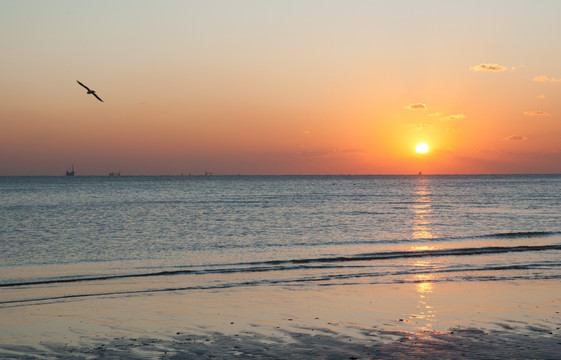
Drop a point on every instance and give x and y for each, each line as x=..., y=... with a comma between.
x=438, y=320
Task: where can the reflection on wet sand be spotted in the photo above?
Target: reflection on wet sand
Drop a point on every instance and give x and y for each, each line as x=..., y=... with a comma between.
x=426, y=313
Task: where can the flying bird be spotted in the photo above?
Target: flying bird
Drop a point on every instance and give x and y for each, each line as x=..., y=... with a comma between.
x=90, y=91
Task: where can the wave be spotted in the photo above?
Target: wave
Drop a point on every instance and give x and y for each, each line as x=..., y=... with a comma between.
x=524, y=234
x=433, y=253
x=331, y=262
x=501, y=235
x=325, y=280
x=505, y=235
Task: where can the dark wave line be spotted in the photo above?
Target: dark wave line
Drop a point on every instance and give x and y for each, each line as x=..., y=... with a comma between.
x=168, y=273
x=506, y=235
x=50, y=299
x=432, y=253
x=485, y=278
x=523, y=234
x=94, y=278
x=515, y=267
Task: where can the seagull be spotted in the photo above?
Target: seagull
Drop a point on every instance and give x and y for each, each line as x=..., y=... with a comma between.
x=90, y=91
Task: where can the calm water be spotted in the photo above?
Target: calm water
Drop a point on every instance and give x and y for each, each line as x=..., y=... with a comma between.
x=64, y=238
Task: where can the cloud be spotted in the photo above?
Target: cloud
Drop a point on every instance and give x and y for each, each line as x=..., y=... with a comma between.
x=543, y=78
x=488, y=67
x=488, y=151
x=328, y=152
x=455, y=117
x=417, y=106
x=536, y=113
x=515, y=138
x=420, y=126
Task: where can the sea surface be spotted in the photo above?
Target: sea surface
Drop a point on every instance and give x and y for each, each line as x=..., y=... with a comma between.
x=65, y=238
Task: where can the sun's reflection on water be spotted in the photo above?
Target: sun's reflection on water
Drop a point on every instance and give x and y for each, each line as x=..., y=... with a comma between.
x=425, y=315
x=422, y=210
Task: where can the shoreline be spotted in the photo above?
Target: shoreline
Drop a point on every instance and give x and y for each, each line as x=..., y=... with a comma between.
x=449, y=320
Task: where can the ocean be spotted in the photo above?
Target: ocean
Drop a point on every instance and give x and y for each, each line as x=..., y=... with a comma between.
x=68, y=238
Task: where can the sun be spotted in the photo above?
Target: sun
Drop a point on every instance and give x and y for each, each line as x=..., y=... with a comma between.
x=422, y=148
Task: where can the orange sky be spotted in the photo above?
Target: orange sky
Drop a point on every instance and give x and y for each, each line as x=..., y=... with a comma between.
x=287, y=87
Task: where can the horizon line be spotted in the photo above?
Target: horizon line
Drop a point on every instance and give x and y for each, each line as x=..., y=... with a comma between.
x=292, y=175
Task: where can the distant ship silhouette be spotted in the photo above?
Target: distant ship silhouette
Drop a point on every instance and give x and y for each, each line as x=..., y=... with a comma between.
x=70, y=172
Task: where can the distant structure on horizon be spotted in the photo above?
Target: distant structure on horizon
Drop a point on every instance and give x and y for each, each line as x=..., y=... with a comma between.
x=70, y=172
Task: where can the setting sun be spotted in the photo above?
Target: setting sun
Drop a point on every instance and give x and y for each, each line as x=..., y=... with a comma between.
x=422, y=148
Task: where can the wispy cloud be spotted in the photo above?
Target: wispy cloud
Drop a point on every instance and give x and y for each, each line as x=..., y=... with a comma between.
x=488, y=151
x=543, y=78
x=455, y=117
x=419, y=126
x=515, y=138
x=536, y=113
x=416, y=106
x=489, y=67
x=328, y=152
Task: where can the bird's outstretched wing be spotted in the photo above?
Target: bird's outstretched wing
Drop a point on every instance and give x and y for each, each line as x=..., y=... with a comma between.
x=97, y=97
x=87, y=88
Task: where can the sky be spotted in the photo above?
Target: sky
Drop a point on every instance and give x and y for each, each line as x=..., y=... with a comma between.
x=280, y=87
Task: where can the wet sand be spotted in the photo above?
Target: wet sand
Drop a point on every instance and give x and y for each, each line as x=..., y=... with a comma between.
x=477, y=320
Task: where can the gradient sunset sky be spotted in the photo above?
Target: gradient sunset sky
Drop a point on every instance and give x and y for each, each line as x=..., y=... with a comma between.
x=280, y=87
